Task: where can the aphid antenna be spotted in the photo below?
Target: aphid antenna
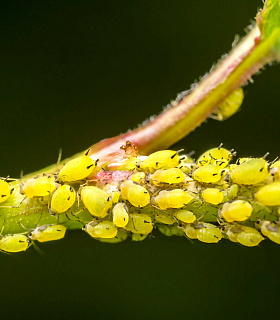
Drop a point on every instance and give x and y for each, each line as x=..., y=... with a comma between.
x=59, y=156
x=265, y=155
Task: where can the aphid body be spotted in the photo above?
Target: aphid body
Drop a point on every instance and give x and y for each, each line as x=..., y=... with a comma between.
x=168, y=176
x=209, y=233
x=250, y=172
x=96, y=201
x=163, y=159
x=217, y=156
x=48, y=233
x=185, y=216
x=270, y=230
x=176, y=198
x=249, y=237
x=14, y=243
x=5, y=190
x=120, y=215
x=77, y=169
x=212, y=195
x=209, y=173
x=38, y=187
x=165, y=218
x=63, y=199
x=139, y=223
x=137, y=195
x=102, y=229
x=237, y=210
x=269, y=195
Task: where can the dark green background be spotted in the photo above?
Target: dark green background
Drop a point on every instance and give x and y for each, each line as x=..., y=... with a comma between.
x=75, y=72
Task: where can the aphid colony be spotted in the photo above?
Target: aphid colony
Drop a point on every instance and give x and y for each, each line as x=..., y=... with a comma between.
x=208, y=199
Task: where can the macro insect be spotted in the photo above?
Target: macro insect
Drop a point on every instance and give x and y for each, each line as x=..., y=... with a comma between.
x=63, y=199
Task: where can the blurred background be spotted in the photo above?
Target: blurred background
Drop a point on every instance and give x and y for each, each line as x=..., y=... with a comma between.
x=75, y=72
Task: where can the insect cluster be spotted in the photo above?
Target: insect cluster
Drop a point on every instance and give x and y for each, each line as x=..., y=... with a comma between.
x=207, y=199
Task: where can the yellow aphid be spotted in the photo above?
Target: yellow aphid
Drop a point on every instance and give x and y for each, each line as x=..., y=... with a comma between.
x=237, y=210
x=128, y=164
x=209, y=233
x=176, y=198
x=121, y=236
x=217, y=156
x=269, y=195
x=186, y=164
x=249, y=237
x=190, y=231
x=138, y=237
x=113, y=192
x=48, y=233
x=138, y=177
x=168, y=176
x=233, y=191
x=96, y=201
x=232, y=232
x=170, y=230
x=165, y=218
x=212, y=195
x=270, y=230
x=163, y=159
x=63, y=199
x=103, y=229
x=120, y=215
x=14, y=243
x=209, y=173
x=137, y=195
x=185, y=216
x=38, y=187
x=77, y=169
x=250, y=172
x=5, y=190
x=230, y=105
x=139, y=223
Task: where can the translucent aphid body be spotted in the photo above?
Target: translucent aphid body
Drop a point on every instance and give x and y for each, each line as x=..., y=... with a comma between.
x=230, y=105
x=163, y=159
x=48, y=233
x=233, y=191
x=212, y=195
x=176, y=198
x=209, y=233
x=168, y=176
x=137, y=195
x=120, y=237
x=103, y=229
x=120, y=215
x=5, y=190
x=14, y=243
x=209, y=173
x=250, y=172
x=113, y=192
x=269, y=195
x=138, y=177
x=237, y=210
x=165, y=218
x=217, y=156
x=138, y=237
x=139, y=223
x=77, y=169
x=38, y=187
x=191, y=232
x=170, y=230
x=63, y=199
x=96, y=201
x=185, y=216
x=249, y=237
x=270, y=230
